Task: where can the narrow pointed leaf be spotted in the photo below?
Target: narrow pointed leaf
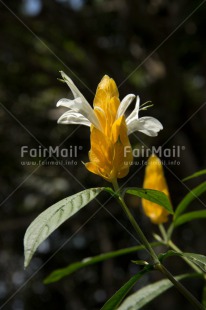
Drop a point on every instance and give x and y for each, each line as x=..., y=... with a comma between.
x=110, y=191
x=197, y=259
x=190, y=216
x=152, y=195
x=193, y=194
x=195, y=175
x=58, y=274
x=117, y=298
x=143, y=296
x=163, y=256
x=52, y=218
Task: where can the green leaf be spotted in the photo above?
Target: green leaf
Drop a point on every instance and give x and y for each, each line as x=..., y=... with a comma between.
x=146, y=294
x=197, y=259
x=58, y=274
x=195, y=175
x=190, y=216
x=193, y=194
x=52, y=218
x=117, y=298
x=110, y=191
x=163, y=256
x=152, y=195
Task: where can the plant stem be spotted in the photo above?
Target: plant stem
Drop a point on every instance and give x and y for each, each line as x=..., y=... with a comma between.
x=163, y=232
x=170, y=231
x=156, y=263
x=138, y=230
x=174, y=247
x=180, y=287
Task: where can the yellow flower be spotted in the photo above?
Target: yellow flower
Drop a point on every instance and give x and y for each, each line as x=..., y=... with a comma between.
x=107, y=156
x=109, y=128
x=154, y=179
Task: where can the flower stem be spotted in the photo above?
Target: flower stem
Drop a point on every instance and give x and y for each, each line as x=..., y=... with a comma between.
x=163, y=232
x=156, y=263
x=193, y=301
x=138, y=230
x=174, y=247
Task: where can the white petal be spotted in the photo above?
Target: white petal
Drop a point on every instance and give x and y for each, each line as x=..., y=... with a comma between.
x=135, y=112
x=79, y=104
x=126, y=101
x=72, y=86
x=71, y=117
x=67, y=103
x=148, y=125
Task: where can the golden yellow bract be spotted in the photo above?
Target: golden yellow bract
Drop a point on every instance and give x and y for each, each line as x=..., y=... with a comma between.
x=154, y=179
x=107, y=145
x=108, y=126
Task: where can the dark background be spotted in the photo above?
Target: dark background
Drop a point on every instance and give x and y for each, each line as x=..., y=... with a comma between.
x=87, y=39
